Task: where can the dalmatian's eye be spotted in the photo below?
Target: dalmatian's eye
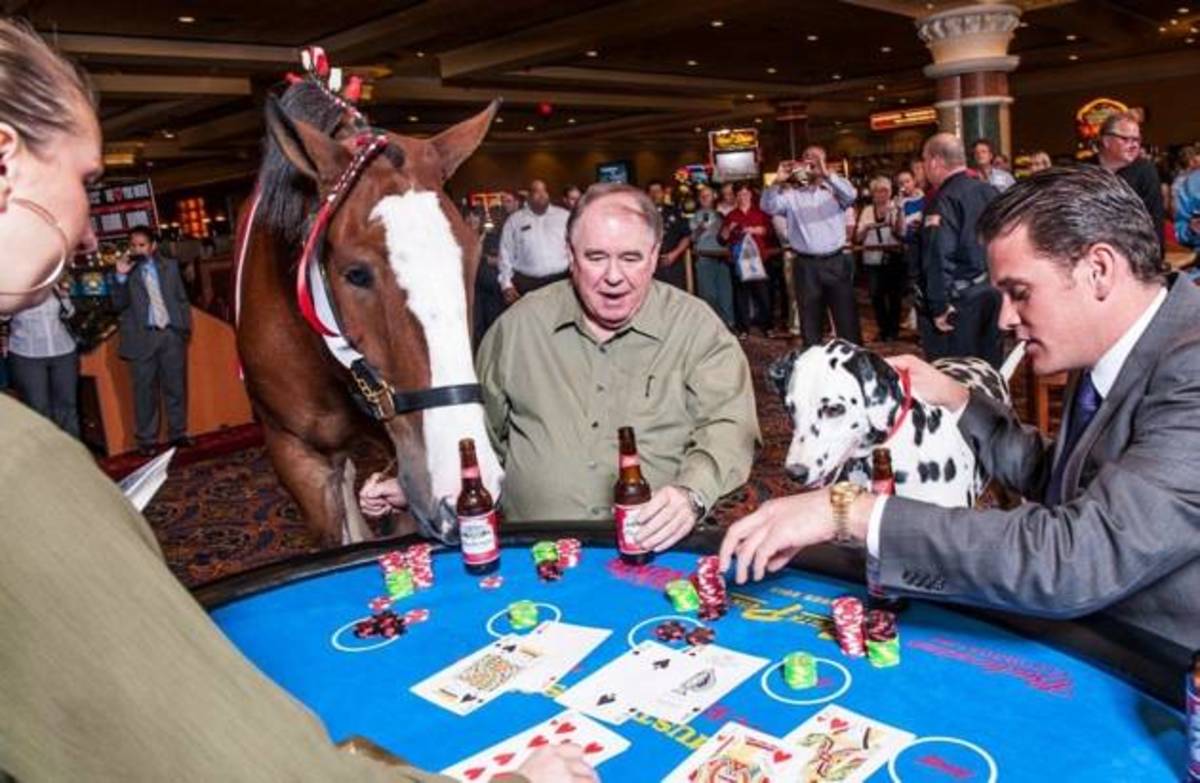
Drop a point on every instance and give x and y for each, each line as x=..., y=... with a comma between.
x=832, y=411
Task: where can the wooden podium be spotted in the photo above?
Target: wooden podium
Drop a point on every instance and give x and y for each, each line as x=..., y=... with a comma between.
x=216, y=396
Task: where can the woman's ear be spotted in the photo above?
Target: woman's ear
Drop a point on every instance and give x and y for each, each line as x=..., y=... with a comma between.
x=9, y=145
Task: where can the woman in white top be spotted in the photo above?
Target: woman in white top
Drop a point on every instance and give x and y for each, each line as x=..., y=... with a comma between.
x=883, y=257
x=43, y=363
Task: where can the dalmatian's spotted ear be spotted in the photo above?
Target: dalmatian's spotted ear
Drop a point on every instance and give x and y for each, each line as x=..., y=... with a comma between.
x=879, y=380
x=779, y=372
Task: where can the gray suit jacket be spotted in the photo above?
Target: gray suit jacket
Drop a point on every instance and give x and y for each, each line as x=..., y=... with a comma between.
x=1127, y=538
x=133, y=301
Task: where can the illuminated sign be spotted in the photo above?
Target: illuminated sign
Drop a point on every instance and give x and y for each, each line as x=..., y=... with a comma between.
x=734, y=140
x=903, y=118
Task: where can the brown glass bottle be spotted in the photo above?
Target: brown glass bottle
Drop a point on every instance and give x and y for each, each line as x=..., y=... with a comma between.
x=478, y=526
x=629, y=495
x=883, y=482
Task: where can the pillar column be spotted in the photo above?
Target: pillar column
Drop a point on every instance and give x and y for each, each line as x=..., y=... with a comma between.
x=791, y=128
x=971, y=64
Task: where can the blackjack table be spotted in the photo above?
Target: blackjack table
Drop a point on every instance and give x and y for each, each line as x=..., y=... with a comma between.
x=984, y=699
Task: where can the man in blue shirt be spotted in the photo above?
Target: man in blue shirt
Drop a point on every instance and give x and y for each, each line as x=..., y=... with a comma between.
x=156, y=322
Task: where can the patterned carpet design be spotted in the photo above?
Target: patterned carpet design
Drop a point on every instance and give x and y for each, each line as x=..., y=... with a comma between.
x=219, y=515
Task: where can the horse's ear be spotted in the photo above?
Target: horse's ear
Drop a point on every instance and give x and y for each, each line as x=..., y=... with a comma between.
x=312, y=153
x=455, y=144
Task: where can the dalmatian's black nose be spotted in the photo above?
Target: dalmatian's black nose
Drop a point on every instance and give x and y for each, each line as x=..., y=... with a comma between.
x=798, y=472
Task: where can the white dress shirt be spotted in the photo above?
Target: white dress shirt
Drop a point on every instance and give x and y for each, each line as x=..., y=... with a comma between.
x=816, y=217
x=1000, y=179
x=534, y=245
x=1104, y=375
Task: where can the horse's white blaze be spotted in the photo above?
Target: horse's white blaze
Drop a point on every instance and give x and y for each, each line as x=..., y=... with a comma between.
x=428, y=264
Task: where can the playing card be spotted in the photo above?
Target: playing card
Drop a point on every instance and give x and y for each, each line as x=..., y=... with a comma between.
x=737, y=752
x=598, y=743
x=720, y=671
x=564, y=645
x=649, y=668
x=840, y=745
x=467, y=684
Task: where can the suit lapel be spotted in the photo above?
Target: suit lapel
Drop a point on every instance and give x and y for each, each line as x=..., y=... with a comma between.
x=1182, y=301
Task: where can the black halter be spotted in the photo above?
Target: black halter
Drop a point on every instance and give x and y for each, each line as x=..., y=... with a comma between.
x=373, y=394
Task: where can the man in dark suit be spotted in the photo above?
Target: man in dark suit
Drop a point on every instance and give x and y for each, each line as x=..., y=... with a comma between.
x=1112, y=522
x=156, y=322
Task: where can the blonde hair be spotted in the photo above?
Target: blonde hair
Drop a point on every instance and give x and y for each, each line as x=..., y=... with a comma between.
x=39, y=89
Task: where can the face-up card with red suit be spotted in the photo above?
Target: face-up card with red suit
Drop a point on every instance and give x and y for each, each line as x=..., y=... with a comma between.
x=598, y=742
x=738, y=752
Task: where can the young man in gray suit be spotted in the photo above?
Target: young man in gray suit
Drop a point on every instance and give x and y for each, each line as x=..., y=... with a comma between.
x=156, y=322
x=1113, y=519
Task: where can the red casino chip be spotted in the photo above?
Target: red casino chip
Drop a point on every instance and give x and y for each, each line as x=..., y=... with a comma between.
x=569, y=551
x=701, y=636
x=419, y=559
x=414, y=616
x=880, y=626
x=848, y=619
x=380, y=603
x=386, y=624
x=670, y=631
x=494, y=582
x=710, y=586
x=549, y=571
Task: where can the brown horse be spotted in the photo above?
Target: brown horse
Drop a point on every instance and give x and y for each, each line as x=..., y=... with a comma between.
x=387, y=277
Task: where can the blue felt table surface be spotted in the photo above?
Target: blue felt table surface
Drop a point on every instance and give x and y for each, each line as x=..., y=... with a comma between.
x=1042, y=715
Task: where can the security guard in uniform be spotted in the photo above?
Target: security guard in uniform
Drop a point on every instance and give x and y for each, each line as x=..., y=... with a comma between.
x=677, y=238
x=961, y=308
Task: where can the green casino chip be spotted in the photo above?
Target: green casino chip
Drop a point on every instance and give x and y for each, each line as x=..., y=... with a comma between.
x=799, y=670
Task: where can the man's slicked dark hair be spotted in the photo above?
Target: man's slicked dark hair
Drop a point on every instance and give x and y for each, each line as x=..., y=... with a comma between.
x=1067, y=210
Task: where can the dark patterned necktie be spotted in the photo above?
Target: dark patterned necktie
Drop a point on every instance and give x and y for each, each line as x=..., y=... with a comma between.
x=1083, y=410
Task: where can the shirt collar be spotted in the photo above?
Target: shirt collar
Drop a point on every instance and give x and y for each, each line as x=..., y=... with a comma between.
x=648, y=320
x=1105, y=371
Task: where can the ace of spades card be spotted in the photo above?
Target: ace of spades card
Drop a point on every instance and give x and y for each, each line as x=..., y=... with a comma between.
x=720, y=671
x=740, y=753
x=599, y=744
x=840, y=745
x=466, y=685
x=630, y=681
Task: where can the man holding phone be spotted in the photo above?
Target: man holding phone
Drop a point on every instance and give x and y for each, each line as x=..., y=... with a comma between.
x=815, y=210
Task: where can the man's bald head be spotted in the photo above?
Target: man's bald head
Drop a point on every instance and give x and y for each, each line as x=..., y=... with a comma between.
x=943, y=155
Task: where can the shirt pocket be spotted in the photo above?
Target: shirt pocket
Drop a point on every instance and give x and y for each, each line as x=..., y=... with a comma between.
x=658, y=402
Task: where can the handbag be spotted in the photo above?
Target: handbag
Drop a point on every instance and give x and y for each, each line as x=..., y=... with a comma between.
x=748, y=262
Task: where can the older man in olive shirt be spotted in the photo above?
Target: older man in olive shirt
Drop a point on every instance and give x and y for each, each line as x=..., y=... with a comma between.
x=570, y=364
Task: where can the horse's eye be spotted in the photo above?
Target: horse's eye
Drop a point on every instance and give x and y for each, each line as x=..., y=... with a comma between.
x=832, y=411
x=359, y=276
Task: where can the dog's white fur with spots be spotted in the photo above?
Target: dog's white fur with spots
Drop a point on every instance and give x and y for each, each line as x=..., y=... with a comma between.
x=844, y=400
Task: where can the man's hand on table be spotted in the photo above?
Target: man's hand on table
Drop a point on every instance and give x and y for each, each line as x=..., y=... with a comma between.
x=558, y=764
x=381, y=495
x=666, y=518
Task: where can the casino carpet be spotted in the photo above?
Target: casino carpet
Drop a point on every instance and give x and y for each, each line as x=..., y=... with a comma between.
x=227, y=513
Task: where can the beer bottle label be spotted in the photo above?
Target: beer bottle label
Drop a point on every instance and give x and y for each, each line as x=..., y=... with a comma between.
x=1193, y=731
x=629, y=524
x=884, y=486
x=480, y=542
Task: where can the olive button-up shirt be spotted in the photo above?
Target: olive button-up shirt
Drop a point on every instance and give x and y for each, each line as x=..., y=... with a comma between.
x=556, y=396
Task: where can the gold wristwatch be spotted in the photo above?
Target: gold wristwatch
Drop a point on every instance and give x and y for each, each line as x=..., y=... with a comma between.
x=841, y=496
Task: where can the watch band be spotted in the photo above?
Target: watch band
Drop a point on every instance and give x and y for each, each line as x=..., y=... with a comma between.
x=841, y=496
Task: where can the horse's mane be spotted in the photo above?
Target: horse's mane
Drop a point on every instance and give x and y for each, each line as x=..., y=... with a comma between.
x=285, y=192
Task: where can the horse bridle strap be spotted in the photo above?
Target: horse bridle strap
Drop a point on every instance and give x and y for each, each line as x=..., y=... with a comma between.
x=381, y=401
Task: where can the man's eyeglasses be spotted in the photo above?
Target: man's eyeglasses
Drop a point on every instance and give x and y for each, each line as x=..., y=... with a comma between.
x=1126, y=139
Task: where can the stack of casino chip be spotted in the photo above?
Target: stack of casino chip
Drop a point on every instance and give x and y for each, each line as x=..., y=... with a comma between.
x=848, y=618
x=883, y=639
x=386, y=624
x=683, y=595
x=545, y=558
x=799, y=670
x=419, y=559
x=399, y=583
x=710, y=587
x=522, y=615
x=670, y=631
x=569, y=550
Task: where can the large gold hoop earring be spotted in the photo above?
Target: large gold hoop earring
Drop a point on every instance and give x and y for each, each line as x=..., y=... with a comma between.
x=48, y=219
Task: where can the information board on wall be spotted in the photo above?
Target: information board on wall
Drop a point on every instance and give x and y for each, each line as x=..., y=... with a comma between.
x=118, y=207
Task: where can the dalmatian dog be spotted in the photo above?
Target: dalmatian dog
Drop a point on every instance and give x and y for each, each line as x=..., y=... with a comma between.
x=845, y=401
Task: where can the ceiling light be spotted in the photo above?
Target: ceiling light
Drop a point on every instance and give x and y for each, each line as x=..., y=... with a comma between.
x=1189, y=40
x=885, y=49
x=812, y=37
x=413, y=118
x=837, y=122
x=1023, y=24
x=1174, y=21
x=168, y=134
x=870, y=98
x=697, y=129
x=929, y=6
x=1072, y=37
x=420, y=54
x=1183, y=10
x=758, y=120
x=1073, y=57
x=592, y=53
x=772, y=70
x=880, y=87
x=529, y=128
x=500, y=120
x=717, y=23
x=836, y=77
x=187, y=20
x=749, y=96
x=904, y=100
x=1162, y=29
x=570, y=120
x=692, y=63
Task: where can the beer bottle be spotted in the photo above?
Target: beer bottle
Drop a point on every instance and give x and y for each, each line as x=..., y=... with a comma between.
x=477, y=523
x=1192, y=687
x=883, y=482
x=629, y=495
